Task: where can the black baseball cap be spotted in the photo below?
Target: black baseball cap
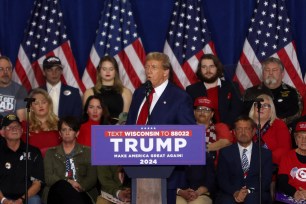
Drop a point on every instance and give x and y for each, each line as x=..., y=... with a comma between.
x=52, y=61
x=7, y=120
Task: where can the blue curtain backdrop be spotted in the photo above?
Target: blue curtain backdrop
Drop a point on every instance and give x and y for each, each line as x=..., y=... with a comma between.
x=228, y=22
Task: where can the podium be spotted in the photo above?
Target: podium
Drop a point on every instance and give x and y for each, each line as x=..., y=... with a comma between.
x=148, y=154
x=149, y=183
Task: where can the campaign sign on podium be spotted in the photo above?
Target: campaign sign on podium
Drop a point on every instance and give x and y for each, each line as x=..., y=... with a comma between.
x=148, y=145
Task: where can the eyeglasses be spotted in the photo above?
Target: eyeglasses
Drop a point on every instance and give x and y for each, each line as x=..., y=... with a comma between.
x=301, y=136
x=12, y=128
x=5, y=69
x=203, y=110
x=264, y=105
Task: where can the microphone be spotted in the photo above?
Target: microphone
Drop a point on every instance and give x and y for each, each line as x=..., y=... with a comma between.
x=29, y=100
x=257, y=100
x=149, y=87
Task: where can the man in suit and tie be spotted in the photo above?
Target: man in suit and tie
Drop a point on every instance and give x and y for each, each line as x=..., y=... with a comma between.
x=238, y=168
x=170, y=105
x=66, y=99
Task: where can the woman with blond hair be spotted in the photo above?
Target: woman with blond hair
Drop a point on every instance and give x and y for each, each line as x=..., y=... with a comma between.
x=274, y=133
x=43, y=131
x=115, y=96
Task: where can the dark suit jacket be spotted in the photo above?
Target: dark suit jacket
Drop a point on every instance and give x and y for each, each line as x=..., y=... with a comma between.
x=70, y=102
x=230, y=175
x=173, y=107
x=229, y=104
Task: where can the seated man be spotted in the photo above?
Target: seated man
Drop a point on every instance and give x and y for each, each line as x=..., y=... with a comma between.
x=238, y=168
x=218, y=135
x=198, y=184
x=12, y=165
x=287, y=100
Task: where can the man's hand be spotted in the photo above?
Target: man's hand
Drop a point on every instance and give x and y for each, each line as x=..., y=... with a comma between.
x=125, y=195
x=240, y=195
x=188, y=194
x=300, y=194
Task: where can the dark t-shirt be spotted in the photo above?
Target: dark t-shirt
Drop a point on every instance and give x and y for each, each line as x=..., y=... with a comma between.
x=12, y=169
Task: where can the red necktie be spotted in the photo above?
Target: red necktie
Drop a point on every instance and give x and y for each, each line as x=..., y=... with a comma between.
x=144, y=113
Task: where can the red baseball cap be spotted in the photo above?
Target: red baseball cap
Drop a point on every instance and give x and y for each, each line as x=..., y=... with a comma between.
x=203, y=101
x=301, y=126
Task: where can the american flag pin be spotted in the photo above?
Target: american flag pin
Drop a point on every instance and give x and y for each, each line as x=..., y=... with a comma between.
x=67, y=92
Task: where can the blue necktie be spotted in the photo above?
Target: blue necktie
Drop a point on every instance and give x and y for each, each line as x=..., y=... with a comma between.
x=244, y=161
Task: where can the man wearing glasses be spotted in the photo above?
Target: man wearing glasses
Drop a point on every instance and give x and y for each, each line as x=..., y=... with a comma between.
x=218, y=135
x=13, y=165
x=12, y=94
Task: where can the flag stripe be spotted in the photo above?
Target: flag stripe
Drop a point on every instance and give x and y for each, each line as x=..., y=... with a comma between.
x=269, y=35
x=45, y=36
x=121, y=42
x=188, y=39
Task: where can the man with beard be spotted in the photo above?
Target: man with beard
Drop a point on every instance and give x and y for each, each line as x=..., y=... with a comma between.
x=12, y=94
x=225, y=95
x=287, y=100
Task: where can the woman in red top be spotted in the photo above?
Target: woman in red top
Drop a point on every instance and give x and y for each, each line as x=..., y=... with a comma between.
x=275, y=135
x=95, y=113
x=43, y=122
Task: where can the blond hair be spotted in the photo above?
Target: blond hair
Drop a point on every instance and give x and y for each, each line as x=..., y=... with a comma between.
x=273, y=111
x=52, y=119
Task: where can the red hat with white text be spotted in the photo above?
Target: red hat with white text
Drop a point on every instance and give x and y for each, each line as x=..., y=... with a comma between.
x=301, y=126
x=203, y=101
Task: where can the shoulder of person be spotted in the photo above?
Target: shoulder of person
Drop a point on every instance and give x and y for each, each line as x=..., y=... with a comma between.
x=228, y=149
x=279, y=123
x=126, y=91
x=34, y=149
x=51, y=150
x=89, y=91
x=65, y=86
x=194, y=85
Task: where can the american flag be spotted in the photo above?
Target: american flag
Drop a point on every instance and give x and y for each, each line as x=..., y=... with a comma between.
x=45, y=35
x=269, y=36
x=188, y=39
x=117, y=36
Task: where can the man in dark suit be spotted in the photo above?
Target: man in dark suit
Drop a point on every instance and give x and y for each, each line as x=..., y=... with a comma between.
x=66, y=99
x=238, y=168
x=225, y=95
x=170, y=105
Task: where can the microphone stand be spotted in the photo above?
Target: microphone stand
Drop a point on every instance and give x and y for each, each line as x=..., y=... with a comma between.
x=259, y=147
x=149, y=104
x=29, y=102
